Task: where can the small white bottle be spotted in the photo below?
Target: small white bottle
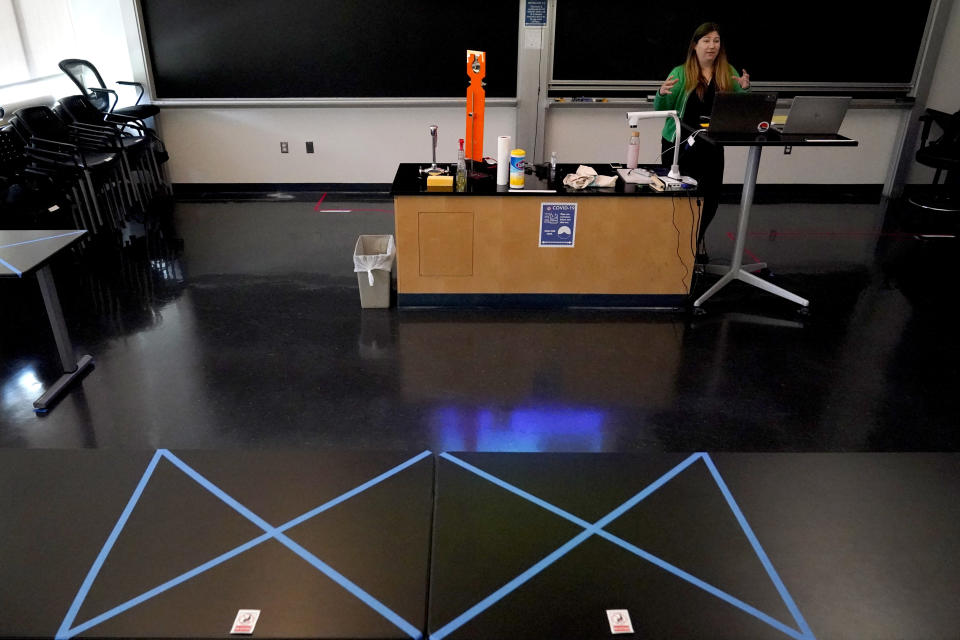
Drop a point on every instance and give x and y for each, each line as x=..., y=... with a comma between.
x=633, y=150
x=553, y=165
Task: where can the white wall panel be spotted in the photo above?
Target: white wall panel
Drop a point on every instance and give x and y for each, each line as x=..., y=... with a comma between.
x=354, y=144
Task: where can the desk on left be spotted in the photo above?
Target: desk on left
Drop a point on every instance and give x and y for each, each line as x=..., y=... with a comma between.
x=25, y=251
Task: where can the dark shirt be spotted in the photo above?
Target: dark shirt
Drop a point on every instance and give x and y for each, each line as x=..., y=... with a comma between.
x=697, y=107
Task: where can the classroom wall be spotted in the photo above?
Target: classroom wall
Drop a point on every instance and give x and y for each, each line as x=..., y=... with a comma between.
x=352, y=144
x=364, y=144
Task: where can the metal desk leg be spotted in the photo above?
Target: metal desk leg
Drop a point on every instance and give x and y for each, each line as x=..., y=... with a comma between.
x=737, y=270
x=71, y=368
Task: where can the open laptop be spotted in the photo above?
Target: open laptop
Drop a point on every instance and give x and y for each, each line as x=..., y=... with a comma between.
x=815, y=115
x=741, y=113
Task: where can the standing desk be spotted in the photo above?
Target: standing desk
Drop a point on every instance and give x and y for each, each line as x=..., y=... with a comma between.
x=24, y=251
x=737, y=270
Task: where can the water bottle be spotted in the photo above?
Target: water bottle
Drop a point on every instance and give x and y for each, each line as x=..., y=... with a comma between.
x=633, y=150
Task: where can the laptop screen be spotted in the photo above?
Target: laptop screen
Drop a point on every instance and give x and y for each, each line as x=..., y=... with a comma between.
x=742, y=112
x=819, y=115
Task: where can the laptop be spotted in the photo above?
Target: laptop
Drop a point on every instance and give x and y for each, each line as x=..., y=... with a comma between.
x=815, y=115
x=742, y=113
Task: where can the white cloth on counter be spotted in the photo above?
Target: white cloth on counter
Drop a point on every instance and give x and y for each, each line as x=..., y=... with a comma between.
x=587, y=177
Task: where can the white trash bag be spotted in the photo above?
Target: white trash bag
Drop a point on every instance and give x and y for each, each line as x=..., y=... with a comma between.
x=374, y=252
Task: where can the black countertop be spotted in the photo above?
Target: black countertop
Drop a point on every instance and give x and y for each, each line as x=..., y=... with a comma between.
x=409, y=181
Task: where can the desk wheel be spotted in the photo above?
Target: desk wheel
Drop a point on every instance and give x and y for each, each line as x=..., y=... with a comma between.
x=699, y=311
x=804, y=311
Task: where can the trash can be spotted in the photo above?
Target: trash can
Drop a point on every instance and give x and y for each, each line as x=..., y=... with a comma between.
x=373, y=260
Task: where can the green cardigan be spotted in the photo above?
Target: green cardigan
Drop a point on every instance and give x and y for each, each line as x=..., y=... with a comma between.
x=677, y=99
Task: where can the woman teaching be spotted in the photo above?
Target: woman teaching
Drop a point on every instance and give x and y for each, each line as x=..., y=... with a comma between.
x=690, y=89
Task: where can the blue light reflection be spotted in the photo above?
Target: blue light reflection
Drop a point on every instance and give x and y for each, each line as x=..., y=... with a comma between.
x=526, y=429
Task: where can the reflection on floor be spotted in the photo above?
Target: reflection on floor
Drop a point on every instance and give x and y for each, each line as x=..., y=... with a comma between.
x=238, y=324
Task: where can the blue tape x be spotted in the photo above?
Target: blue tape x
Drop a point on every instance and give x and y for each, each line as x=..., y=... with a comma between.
x=67, y=630
x=596, y=528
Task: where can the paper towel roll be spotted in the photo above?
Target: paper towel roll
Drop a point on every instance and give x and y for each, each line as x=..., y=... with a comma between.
x=503, y=159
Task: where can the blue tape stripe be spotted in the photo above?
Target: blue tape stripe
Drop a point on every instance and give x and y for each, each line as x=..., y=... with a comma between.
x=353, y=492
x=353, y=588
x=107, y=546
x=293, y=546
x=242, y=548
x=92, y=622
x=220, y=493
x=11, y=267
x=635, y=500
x=784, y=594
x=680, y=573
x=516, y=490
x=62, y=235
x=503, y=591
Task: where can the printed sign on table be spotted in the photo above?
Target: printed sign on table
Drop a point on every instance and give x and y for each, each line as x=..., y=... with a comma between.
x=558, y=224
x=245, y=622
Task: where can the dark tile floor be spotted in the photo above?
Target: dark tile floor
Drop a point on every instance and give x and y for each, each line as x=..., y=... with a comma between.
x=238, y=324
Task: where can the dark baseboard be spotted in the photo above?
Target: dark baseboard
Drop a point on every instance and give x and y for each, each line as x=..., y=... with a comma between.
x=311, y=191
x=541, y=300
x=279, y=191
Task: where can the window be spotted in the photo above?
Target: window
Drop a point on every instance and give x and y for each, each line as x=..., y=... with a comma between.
x=34, y=36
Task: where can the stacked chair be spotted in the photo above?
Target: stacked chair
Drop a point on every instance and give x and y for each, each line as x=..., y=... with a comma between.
x=30, y=198
x=101, y=164
x=88, y=79
x=108, y=166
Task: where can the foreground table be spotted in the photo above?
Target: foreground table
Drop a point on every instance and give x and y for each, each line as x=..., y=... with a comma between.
x=23, y=252
x=167, y=544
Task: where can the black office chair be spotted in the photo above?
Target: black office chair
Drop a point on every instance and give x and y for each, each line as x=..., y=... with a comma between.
x=943, y=154
x=91, y=84
x=31, y=197
x=142, y=150
x=90, y=157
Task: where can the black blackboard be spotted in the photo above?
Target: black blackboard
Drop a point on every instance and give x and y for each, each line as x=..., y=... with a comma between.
x=328, y=48
x=814, y=41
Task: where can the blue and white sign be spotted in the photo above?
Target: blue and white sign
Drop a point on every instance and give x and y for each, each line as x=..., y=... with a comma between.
x=535, y=14
x=558, y=224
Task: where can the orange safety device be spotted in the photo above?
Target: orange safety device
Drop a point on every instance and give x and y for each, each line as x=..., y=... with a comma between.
x=476, y=99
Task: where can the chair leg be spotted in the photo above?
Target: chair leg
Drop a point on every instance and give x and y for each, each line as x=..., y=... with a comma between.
x=91, y=195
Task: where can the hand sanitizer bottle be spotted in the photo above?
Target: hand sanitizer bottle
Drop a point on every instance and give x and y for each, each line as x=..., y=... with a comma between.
x=461, y=169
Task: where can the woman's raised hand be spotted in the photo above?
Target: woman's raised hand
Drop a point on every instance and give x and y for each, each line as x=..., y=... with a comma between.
x=744, y=80
x=667, y=86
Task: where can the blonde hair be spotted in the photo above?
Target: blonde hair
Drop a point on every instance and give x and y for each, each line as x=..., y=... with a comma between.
x=691, y=68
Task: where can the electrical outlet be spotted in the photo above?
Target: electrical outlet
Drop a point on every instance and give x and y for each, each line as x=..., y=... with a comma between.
x=309, y=146
x=284, y=147
x=787, y=150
